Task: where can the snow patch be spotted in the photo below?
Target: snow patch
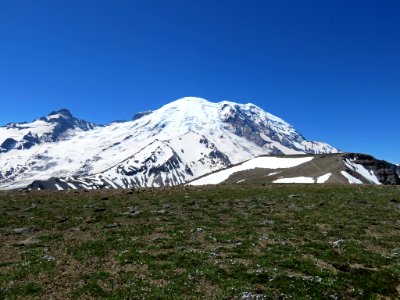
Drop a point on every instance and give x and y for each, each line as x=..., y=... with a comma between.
x=72, y=186
x=58, y=187
x=273, y=173
x=300, y=179
x=351, y=179
x=259, y=162
x=324, y=178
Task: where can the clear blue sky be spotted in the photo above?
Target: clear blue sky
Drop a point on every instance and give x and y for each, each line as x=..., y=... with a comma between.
x=330, y=68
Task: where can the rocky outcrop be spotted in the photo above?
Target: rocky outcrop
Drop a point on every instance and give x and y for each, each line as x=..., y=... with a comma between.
x=28, y=141
x=64, y=121
x=7, y=145
x=386, y=173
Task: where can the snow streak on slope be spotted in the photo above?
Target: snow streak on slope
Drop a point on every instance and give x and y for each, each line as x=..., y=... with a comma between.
x=259, y=162
x=234, y=132
x=324, y=178
x=351, y=179
x=360, y=169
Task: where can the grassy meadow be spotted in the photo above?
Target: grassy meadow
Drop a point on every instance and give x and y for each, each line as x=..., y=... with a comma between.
x=217, y=242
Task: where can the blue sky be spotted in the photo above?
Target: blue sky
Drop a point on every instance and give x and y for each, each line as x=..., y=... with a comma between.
x=330, y=68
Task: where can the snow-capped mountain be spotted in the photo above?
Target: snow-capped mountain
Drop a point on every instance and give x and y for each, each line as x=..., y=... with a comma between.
x=174, y=144
x=56, y=126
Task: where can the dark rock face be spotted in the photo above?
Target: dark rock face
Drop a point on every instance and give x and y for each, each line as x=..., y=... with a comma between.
x=29, y=141
x=246, y=124
x=49, y=184
x=7, y=145
x=386, y=173
x=218, y=155
x=63, y=112
x=215, y=154
x=243, y=127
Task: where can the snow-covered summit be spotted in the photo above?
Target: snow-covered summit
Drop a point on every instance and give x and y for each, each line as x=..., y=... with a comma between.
x=56, y=126
x=203, y=136
x=62, y=113
x=244, y=120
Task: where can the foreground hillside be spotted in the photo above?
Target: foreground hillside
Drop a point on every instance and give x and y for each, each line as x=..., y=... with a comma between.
x=239, y=241
x=338, y=168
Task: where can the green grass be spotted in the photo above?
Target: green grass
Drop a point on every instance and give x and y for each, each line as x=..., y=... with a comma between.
x=224, y=242
x=25, y=289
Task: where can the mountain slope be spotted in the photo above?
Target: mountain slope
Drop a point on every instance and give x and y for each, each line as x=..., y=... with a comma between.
x=233, y=132
x=341, y=168
x=156, y=165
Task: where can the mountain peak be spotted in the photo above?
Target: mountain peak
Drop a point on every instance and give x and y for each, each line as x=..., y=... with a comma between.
x=189, y=103
x=190, y=100
x=61, y=113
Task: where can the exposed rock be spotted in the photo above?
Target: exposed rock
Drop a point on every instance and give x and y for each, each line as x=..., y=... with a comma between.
x=62, y=219
x=23, y=230
x=132, y=212
x=342, y=267
x=100, y=209
x=31, y=241
x=386, y=173
x=8, y=144
x=75, y=229
x=49, y=257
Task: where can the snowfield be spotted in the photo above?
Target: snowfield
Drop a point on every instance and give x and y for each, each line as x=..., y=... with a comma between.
x=324, y=178
x=259, y=162
x=302, y=179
